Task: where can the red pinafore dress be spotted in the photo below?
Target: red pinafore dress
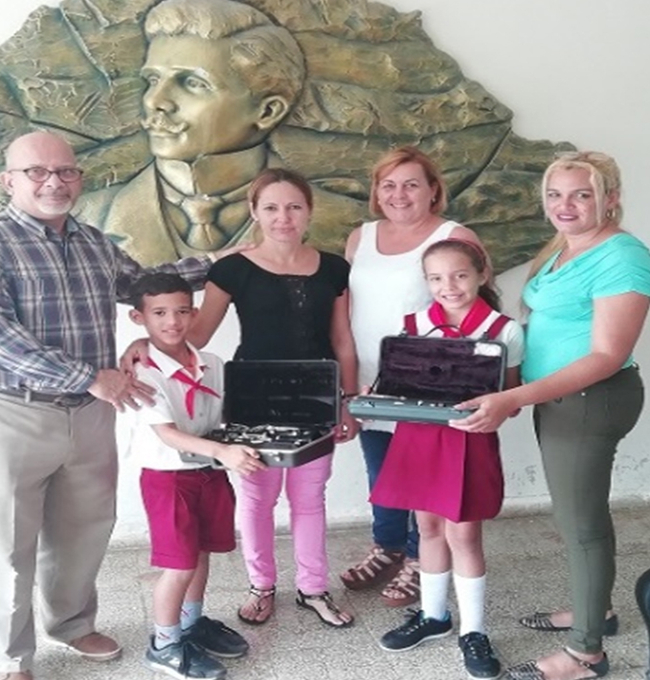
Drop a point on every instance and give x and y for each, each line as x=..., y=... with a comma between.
x=438, y=469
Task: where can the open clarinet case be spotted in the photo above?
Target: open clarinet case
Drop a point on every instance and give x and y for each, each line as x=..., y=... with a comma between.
x=421, y=378
x=287, y=410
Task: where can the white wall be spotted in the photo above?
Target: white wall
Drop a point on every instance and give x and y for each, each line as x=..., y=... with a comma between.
x=576, y=71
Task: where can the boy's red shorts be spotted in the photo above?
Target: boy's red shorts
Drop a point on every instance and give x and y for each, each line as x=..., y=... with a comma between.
x=189, y=511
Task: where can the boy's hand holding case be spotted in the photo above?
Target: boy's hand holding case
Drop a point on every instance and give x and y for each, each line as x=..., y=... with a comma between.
x=286, y=410
x=421, y=378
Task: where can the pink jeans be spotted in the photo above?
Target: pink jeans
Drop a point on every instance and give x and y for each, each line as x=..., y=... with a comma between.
x=305, y=488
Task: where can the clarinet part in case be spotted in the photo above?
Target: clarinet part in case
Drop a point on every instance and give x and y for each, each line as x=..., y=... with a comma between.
x=421, y=378
x=286, y=410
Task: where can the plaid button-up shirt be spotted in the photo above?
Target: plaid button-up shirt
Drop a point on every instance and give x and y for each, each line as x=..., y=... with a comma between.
x=58, y=297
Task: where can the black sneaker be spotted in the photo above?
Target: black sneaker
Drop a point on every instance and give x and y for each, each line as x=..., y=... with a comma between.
x=479, y=658
x=183, y=660
x=417, y=629
x=216, y=638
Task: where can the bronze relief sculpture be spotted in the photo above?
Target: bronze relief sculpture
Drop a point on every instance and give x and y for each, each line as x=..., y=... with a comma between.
x=174, y=106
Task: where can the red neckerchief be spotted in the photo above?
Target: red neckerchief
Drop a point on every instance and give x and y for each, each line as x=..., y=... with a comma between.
x=195, y=386
x=479, y=311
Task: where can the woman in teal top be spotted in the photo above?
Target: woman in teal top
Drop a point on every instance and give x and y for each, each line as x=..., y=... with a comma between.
x=563, y=301
x=588, y=295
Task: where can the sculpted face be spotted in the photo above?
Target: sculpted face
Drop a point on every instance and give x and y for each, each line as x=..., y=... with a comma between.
x=49, y=200
x=195, y=104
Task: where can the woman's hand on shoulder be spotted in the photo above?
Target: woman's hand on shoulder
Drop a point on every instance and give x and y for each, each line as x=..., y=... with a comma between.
x=490, y=411
x=136, y=352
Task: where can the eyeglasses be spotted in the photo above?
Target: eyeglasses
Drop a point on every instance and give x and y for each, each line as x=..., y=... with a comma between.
x=39, y=174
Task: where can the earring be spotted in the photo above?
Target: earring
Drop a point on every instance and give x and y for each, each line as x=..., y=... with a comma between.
x=610, y=214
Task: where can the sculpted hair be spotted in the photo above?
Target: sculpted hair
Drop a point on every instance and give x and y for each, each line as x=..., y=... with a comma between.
x=275, y=175
x=409, y=154
x=605, y=180
x=158, y=284
x=266, y=56
x=478, y=259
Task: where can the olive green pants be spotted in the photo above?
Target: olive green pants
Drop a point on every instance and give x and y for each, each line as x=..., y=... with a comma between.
x=578, y=436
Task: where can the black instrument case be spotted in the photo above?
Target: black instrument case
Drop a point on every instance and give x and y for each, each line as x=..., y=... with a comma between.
x=286, y=410
x=421, y=378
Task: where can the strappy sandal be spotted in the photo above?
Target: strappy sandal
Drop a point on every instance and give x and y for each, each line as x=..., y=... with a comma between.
x=531, y=671
x=262, y=602
x=324, y=607
x=377, y=567
x=404, y=589
x=541, y=621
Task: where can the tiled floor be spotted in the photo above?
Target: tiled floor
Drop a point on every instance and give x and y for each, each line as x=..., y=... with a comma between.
x=526, y=572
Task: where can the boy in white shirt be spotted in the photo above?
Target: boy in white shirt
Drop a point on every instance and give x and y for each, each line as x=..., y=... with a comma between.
x=189, y=506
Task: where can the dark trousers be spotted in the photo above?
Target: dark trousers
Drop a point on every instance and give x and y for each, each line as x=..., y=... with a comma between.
x=392, y=529
x=578, y=436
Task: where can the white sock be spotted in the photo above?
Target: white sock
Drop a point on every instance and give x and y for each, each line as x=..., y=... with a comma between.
x=434, y=590
x=470, y=594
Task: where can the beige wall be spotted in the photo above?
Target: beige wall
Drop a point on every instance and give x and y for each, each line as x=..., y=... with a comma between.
x=576, y=71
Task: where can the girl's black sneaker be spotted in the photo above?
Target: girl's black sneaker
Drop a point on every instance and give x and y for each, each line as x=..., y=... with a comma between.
x=415, y=630
x=480, y=661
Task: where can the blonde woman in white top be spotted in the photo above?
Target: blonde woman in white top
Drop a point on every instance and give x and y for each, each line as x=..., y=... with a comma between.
x=408, y=194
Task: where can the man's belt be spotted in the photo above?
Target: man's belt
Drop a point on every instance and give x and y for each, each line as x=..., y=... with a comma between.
x=60, y=400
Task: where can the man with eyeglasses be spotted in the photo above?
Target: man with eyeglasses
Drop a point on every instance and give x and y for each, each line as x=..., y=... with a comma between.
x=59, y=282
x=39, y=175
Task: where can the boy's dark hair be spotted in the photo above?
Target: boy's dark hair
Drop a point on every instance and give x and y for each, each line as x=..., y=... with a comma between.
x=158, y=284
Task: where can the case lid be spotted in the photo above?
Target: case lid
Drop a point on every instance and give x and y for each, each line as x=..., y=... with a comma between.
x=445, y=370
x=282, y=392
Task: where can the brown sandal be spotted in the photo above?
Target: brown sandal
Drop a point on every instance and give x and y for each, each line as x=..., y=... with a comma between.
x=262, y=602
x=378, y=566
x=323, y=606
x=404, y=589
